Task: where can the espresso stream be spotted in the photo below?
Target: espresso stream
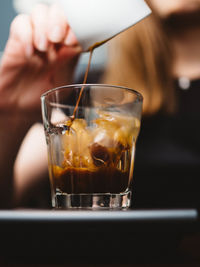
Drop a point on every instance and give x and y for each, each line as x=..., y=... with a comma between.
x=82, y=88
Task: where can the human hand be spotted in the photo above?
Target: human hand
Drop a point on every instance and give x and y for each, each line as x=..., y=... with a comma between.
x=41, y=53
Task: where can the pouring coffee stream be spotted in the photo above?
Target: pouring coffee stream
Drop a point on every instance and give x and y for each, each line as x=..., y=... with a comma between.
x=72, y=118
x=91, y=49
x=94, y=30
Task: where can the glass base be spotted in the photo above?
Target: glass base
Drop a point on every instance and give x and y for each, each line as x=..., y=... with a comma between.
x=93, y=201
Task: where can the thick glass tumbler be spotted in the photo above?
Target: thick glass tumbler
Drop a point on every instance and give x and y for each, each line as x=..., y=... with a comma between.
x=91, y=148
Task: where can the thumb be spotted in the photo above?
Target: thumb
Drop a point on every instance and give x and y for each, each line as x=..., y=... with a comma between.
x=68, y=52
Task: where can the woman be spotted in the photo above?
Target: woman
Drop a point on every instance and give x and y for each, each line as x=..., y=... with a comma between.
x=152, y=58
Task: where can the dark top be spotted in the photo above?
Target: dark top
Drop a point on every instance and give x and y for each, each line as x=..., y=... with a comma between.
x=167, y=163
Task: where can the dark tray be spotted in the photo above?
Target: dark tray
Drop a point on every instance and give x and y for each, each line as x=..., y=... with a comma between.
x=129, y=236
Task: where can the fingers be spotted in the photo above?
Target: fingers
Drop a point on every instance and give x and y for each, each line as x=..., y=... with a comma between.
x=57, y=25
x=39, y=21
x=59, y=30
x=50, y=26
x=21, y=30
x=44, y=27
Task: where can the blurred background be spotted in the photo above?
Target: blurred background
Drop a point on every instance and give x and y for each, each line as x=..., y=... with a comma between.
x=7, y=13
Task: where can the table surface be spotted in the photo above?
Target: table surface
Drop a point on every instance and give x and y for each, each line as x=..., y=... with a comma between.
x=99, y=237
x=103, y=215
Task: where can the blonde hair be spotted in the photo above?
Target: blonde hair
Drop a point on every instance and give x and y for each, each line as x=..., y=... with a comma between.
x=141, y=58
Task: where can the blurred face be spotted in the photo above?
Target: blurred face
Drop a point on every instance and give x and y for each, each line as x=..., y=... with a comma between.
x=165, y=8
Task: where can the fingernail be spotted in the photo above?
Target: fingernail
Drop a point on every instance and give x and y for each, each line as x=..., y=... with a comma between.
x=69, y=39
x=29, y=50
x=42, y=44
x=56, y=34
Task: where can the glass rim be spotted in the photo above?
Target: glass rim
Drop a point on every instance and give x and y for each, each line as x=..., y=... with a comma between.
x=139, y=96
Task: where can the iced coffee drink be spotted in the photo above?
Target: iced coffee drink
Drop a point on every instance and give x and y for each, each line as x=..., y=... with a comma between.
x=91, y=158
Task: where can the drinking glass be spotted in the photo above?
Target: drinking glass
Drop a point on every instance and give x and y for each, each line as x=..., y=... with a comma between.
x=91, y=148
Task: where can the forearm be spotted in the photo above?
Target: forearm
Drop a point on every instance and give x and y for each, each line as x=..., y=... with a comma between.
x=13, y=128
